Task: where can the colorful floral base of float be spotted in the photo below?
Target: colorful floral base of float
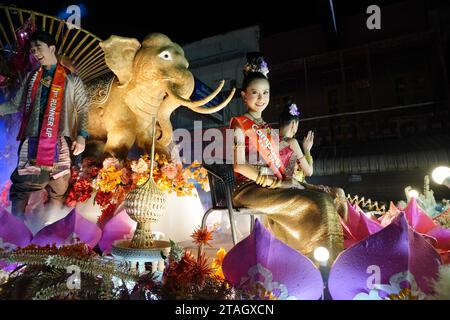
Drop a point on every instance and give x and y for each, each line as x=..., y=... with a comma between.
x=402, y=255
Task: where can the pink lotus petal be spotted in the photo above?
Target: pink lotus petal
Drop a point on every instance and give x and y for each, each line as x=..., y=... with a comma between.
x=72, y=228
x=387, y=218
x=120, y=227
x=358, y=226
x=445, y=256
x=418, y=219
x=442, y=235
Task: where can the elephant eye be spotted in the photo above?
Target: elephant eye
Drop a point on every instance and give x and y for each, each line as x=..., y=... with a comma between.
x=165, y=55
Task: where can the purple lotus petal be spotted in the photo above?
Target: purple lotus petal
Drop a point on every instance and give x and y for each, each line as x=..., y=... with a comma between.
x=376, y=265
x=120, y=227
x=13, y=232
x=262, y=259
x=71, y=229
x=8, y=267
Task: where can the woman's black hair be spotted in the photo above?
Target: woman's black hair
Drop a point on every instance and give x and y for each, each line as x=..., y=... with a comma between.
x=254, y=61
x=286, y=116
x=43, y=37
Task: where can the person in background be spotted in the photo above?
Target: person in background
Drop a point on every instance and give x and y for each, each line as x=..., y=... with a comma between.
x=300, y=164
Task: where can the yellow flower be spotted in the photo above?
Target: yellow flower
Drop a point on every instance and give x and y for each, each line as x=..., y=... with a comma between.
x=203, y=172
x=142, y=179
x=217, y=263
x=404, y=294
x=109, y=178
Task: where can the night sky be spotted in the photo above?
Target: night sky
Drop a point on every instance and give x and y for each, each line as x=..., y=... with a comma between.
x=195, y=20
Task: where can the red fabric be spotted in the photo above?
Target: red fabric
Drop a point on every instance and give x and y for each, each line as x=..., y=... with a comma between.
x=251, y=130
x=50, y=123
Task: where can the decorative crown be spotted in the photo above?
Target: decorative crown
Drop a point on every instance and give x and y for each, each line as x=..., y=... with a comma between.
x=260, y=65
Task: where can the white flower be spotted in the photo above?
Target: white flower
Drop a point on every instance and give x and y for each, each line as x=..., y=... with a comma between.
x=139, y=166
x=392, y=288
x=109, y=162
x=268, y=284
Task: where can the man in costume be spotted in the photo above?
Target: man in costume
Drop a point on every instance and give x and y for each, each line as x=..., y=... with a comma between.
x=55, y=108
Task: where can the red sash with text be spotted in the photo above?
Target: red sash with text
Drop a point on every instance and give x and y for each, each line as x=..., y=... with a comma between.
x=50, y=124
x=262, y=139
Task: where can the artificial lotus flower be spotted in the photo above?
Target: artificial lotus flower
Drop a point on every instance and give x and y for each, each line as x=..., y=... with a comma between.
x=263, y=264
x=385, y=263
x=359, y=227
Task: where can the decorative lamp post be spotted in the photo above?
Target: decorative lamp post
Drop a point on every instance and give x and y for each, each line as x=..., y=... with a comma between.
x=321, y=255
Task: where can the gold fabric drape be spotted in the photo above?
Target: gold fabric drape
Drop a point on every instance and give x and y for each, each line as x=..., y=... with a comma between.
x=303, y=219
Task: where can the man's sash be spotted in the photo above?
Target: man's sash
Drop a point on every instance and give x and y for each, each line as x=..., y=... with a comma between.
x=29, y=102
x=263, y=142
x=50, y=124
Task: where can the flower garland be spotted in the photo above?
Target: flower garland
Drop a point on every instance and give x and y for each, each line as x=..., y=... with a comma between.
x=114, y=180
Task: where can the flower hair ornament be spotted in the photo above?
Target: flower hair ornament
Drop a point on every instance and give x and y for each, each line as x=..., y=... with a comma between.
x=293, y=110
x=259, y=66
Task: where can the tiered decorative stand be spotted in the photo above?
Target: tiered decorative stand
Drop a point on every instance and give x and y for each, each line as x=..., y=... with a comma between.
x=144, y=204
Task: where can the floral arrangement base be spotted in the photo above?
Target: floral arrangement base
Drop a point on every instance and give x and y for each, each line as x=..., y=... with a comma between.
x=124, y=250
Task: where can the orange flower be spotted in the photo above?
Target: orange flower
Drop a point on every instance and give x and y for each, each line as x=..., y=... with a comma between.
x=202, y=236
x=200, y=270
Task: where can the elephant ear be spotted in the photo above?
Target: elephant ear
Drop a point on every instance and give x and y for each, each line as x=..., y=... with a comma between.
x=119, y=56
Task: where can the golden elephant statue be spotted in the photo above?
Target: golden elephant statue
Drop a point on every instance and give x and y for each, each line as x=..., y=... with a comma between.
x=150, y=79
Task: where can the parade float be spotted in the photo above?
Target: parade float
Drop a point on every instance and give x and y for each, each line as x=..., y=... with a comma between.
x=102, y=246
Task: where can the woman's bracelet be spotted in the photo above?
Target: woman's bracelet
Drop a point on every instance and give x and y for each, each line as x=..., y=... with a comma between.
x=275, y=184
x=258, y=179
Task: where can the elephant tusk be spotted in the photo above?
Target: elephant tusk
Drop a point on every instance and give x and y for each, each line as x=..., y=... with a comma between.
x=198, y=103
x=205, y=110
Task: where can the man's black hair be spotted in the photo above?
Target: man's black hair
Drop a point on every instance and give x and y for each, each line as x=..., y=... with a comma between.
x=43, y=37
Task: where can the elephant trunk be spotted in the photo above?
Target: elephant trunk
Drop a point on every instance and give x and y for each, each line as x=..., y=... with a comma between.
x=175, y=98
x=164, y=112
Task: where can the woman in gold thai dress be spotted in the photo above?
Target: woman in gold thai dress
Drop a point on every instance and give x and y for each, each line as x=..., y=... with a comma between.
x=303, y=219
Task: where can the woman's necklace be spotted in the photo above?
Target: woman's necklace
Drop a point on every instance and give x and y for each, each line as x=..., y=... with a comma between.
x=258, y=121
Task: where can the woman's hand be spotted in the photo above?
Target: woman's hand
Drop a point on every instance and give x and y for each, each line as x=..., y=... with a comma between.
x=308, y=141
x=268, y=181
